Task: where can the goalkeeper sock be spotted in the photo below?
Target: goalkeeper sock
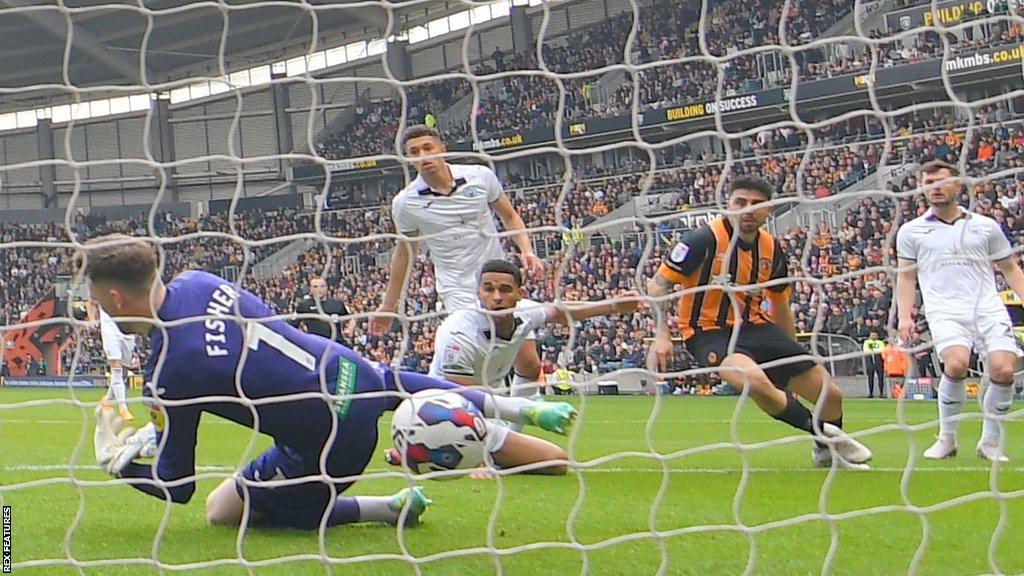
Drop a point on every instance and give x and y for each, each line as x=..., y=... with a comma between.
x=997, y=402
x=117, y=387
x=796, y=415
x=361, y=509
x=952, y=396
x=384, y=509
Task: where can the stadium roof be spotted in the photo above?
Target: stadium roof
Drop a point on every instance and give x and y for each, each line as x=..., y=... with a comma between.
x=184, y=38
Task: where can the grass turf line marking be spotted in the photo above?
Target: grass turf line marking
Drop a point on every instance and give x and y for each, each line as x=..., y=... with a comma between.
x=731, y=470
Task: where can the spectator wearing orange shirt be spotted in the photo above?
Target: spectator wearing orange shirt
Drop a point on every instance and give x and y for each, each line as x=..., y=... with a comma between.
x=986, y=151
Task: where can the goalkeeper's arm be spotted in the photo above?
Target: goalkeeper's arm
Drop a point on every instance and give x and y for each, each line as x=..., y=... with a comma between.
x=173, y=475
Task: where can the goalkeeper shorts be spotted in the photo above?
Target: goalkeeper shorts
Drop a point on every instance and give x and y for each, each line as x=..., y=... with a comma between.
x=284, y=484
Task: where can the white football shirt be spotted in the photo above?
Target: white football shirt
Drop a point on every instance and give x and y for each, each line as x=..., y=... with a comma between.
x=459, y=228
x=954, y=263
x=465, y=345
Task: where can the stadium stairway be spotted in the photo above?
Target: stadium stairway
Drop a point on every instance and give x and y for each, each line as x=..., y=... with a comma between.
x=802, y=214
x=873, y=18
x=342, y=120
x=458, y=112
x=274, y=264
x=834, y=209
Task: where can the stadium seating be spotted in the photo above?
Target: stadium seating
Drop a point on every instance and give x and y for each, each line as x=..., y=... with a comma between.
x=584, y=266
x=667, y=41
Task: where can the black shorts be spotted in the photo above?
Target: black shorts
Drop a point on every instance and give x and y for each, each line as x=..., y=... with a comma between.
x=762, y=342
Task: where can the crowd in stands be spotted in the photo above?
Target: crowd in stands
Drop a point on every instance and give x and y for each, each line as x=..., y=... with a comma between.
x=666, y=31
x=850, y=256
x=667, y=46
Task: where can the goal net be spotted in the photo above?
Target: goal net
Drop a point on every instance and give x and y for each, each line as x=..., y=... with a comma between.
x=263, y=142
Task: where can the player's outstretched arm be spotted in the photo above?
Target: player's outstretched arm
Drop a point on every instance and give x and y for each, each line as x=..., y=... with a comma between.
x=569, y=312
x=514, y=223
x=401, y=267
x=175, y=465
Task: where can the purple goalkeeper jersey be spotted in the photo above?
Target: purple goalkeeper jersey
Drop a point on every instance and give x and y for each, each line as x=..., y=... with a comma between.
x=215, y=355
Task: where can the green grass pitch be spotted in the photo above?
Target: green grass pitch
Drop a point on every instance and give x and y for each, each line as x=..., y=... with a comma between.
x=622, y=513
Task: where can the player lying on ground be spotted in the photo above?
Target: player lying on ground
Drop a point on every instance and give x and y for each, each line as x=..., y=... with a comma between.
x=737, y=252
x=210, y=356
x=950, y=251
x=474, y=348
x=119, y=349
x=453, y=206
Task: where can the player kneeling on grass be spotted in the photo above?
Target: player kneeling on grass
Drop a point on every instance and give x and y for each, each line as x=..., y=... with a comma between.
x=735, y=253
x=477, y=347
x=217, y=349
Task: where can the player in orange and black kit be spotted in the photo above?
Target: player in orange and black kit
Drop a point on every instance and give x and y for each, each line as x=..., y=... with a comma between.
x=735, y=253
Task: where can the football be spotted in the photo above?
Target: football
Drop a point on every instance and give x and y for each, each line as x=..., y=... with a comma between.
x=438, y=431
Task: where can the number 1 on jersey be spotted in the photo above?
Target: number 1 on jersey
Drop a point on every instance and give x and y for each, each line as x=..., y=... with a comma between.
x=256, y=333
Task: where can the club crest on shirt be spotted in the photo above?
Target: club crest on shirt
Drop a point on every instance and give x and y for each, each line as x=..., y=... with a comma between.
x=455, y=361
x=712, y=359
x=679, y=252
x=765, y=265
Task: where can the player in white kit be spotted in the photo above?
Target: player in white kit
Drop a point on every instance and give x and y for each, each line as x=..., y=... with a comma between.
x=119, y=348
x=950, y=251
x=475, y=348
x=450, y=206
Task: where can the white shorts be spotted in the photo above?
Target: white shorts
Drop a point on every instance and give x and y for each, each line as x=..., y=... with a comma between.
x=458, y=300
x=117, y=346
x=989, y=333
x=452, y=301
x=497, y=434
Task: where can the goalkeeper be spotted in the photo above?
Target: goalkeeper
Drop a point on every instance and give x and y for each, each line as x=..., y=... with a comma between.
x=219, y=351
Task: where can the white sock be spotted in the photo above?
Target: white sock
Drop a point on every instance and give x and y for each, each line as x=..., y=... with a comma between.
x=117, y=387
x=997, y=402
x=505, y=408
x=952, y=396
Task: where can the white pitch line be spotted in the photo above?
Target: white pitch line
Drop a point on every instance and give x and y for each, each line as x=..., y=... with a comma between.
x=582, y=420
x=64, y=467
x=733, y=470
x=790, y=470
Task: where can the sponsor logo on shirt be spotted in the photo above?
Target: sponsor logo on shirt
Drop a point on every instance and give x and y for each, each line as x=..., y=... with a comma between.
x=345, y=387
x=679, y=252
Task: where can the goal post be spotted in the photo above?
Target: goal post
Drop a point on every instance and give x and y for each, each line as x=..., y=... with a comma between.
x=616, y=127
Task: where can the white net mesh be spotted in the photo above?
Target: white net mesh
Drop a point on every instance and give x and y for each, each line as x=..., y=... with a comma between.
x=615, y=127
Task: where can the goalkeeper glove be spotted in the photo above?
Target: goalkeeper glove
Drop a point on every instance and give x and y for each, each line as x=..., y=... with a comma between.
x=117, y=444
x=141, y=444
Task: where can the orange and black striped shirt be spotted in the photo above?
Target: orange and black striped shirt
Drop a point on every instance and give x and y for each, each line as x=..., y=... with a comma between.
x=703, y=257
